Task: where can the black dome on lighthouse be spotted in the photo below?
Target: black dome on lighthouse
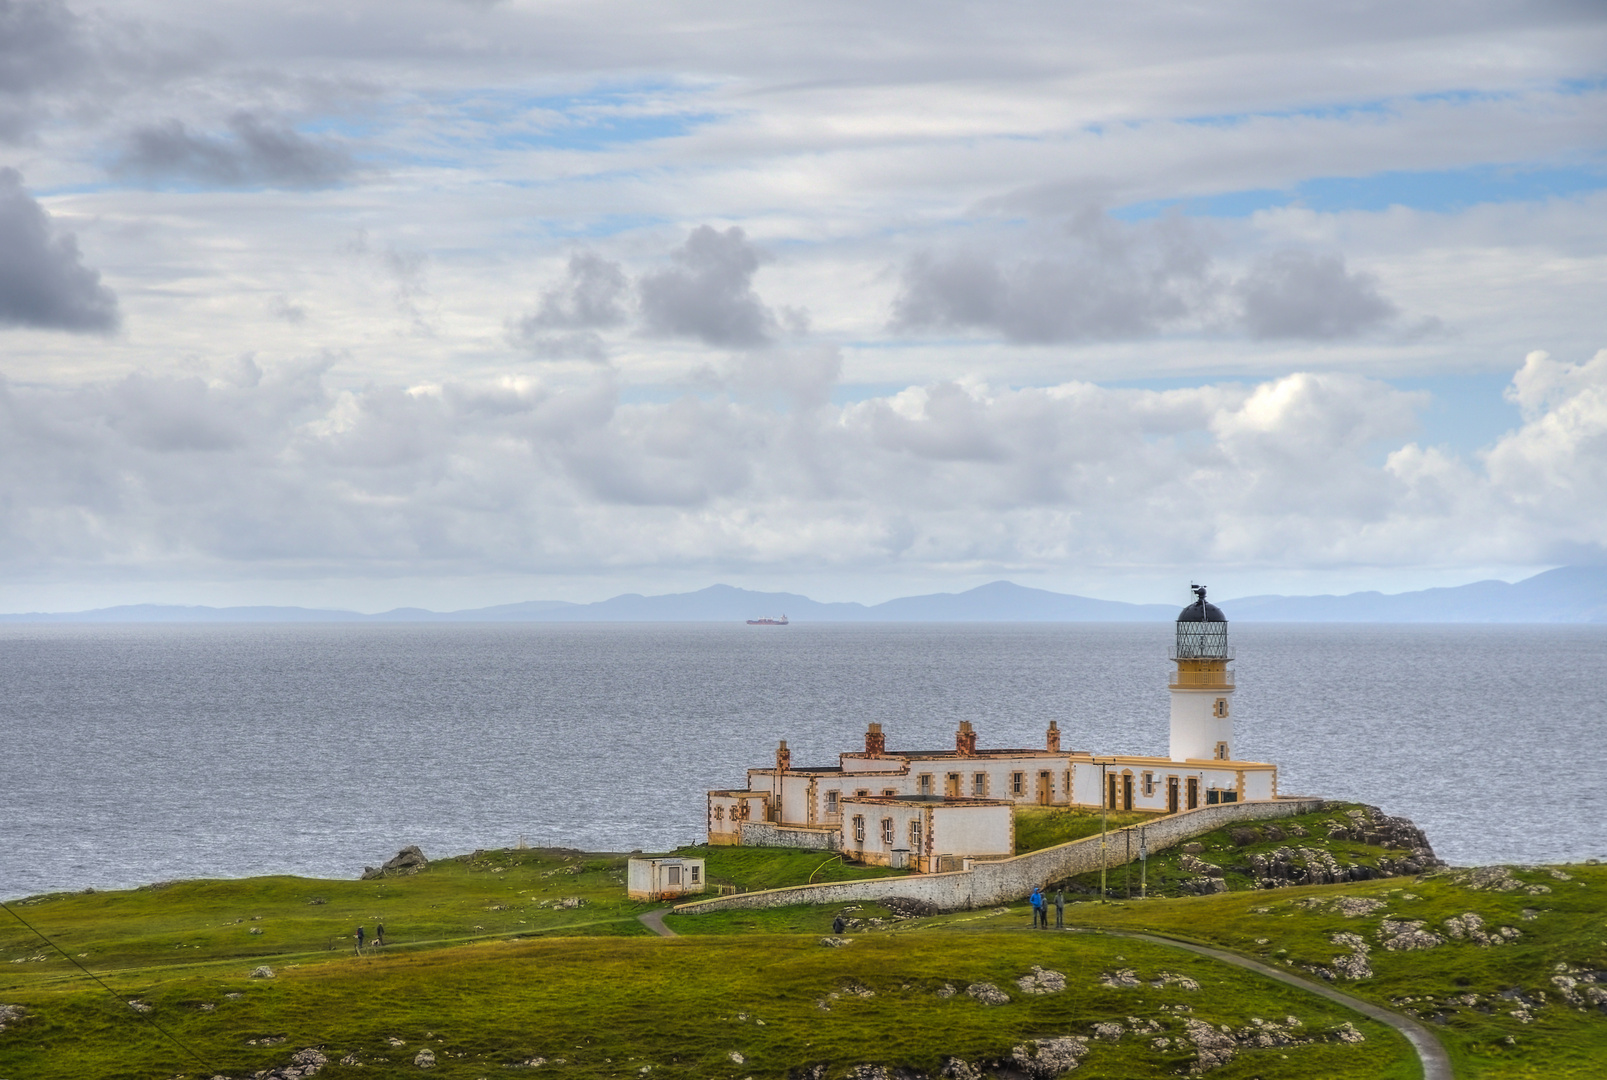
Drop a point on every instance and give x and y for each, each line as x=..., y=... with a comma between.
x=1200, y=610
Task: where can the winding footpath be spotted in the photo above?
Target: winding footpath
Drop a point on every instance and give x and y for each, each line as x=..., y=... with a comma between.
x=1436, y=1062
x=654, y=921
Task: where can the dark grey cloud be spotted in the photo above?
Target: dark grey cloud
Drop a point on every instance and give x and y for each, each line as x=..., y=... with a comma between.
x=708, y=293
x=592, y=296
x=1298, y=294
x=257, y=152
x=43, y=280
x=42, y=47
x=1100, y=280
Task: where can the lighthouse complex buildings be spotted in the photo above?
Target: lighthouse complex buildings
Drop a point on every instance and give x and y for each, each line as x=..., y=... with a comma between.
x=934, y=810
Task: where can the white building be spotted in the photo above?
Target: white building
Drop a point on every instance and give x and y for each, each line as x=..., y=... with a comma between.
x=934, y=807
x=664, y=877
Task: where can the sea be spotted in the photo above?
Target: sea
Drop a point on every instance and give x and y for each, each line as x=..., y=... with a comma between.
x=132, y=754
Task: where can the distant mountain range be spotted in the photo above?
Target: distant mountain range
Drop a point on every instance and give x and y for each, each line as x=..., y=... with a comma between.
x=1571, y=594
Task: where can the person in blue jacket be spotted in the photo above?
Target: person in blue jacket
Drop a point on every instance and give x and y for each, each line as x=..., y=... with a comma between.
x=1039, y=914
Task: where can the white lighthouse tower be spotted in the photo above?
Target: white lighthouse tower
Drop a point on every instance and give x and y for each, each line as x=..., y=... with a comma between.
x=1202, y=685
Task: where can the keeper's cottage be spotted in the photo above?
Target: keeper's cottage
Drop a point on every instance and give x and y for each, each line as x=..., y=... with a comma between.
x=934, y=810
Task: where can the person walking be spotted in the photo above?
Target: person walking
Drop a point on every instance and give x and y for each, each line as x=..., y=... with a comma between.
x=359, y=939
x=379, y=935
x=838, y=926
x=1060, y=909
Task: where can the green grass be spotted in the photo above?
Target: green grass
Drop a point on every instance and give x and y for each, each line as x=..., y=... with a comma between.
x=487, y=972
x=1045, y=826
x=1294, y=928
x=607, y=1007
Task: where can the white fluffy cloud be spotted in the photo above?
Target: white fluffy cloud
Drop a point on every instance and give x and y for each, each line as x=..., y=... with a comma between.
x=279, y=469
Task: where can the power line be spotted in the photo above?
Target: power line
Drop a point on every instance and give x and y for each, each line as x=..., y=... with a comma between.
x=120, y=999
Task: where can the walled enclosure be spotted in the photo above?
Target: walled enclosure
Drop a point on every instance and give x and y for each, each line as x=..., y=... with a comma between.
x=1004, y=880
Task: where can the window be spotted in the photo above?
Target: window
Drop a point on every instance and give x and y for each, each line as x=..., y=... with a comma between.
x=1018, y=783
x=979, y=784
x=719, y=813
x=696, y=873
x=1221, y=707
x=831, y=802
x=887, y=832
x=925, y=786
x=672, y=874
x=862, y=793
x=1149, y=784
x=1221, y=751
x=890, y=793
x=859, y=829
x=915, y=835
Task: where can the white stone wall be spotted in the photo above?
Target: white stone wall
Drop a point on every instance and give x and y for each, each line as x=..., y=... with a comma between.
x=1010, y=879
x=766, y=834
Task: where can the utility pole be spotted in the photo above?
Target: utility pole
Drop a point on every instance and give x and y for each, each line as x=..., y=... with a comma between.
x=1127, y=867
x=1104, y=825
x=1143, y=866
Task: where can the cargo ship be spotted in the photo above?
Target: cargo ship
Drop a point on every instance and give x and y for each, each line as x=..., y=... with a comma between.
x=768, y=622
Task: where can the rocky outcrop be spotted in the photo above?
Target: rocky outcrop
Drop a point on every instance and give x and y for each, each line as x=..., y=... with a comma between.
x=303, y=1063
x=988, y=994
x=410, y=860
x=1041, y=981
x=10, y=1015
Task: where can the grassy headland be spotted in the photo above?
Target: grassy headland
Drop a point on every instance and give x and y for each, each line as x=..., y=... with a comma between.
x=503, y=958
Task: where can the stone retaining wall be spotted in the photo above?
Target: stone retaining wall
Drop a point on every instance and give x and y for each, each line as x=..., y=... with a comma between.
x=769, y=834
x=1004, y=880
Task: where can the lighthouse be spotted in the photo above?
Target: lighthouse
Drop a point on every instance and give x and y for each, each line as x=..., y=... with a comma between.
x=1202, y=685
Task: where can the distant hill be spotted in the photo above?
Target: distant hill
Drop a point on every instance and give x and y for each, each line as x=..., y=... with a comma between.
x=1571, y=594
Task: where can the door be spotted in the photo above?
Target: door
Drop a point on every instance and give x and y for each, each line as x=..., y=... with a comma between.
x=1171, y=794
x=1046, y=789
x=951, y=785
x=1194, y=792
x=1110, y=793
x=1127, y=791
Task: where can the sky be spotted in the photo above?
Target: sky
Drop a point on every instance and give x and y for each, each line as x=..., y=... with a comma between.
x=449, y=303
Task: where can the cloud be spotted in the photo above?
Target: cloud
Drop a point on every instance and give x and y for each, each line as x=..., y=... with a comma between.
x=42, y=46
x=708, y=293
x=1298, y=294
x=277, y=467
x=258, y=152
x=43, y=280
x=592, y=296
x=1103, y=280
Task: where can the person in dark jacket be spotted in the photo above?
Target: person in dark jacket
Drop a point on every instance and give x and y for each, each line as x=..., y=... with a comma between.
x=838, y=926
x=359, y=939
x=1060, y=909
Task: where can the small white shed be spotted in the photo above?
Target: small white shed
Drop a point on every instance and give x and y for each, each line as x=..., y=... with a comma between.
x=664, y=877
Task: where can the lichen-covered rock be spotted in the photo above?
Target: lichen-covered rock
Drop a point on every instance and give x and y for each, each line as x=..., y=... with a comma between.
x=1121, y=979
x=11, y=1014
x=988, y=994
x=1403, y=936
x=1109, y=1031
x=1171, y=978
x=836, y=942
x=263, y=972
x=1212, y=1048
x=1355, y=965
x=1041, y=981
x=1045, y=1059
x=425, y=1058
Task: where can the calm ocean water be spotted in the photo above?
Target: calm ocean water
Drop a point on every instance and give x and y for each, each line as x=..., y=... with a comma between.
x=131, y=754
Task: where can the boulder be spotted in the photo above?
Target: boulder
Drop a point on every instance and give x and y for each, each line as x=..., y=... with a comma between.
x=409, y=858
x=1045, y=1059
x=988, y=994
x=263, y=972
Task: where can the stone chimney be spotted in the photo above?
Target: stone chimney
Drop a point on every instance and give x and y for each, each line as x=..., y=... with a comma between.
x=875, y=741
x=965, y=740
x=1052, y=741
x=783, y=757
